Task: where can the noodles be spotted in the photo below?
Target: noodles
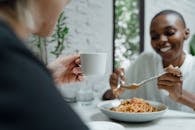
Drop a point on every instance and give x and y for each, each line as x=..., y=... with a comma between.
x=135, y=105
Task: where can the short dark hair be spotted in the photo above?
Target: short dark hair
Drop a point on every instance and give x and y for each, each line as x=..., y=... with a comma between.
x=164, y=12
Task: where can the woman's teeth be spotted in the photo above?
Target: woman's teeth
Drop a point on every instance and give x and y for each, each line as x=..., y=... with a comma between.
x=165, y=49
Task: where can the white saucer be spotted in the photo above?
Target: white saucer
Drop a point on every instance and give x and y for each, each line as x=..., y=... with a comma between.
x=104, y=125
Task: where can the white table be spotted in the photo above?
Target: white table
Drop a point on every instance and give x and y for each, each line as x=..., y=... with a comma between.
x=171, y=120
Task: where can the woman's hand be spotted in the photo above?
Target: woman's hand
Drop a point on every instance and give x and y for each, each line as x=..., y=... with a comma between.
x=114, y=77
x=119, y=72
x=66, y=69
x=172, y=82
x=113, y=92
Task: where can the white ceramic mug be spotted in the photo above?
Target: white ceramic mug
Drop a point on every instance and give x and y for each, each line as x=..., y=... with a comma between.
x=93, y=63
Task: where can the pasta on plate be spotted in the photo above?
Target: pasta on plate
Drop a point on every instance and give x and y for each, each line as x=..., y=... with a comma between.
x=135, y=105
x=132, y=110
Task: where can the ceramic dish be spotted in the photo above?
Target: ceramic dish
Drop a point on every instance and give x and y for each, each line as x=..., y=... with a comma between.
x=131, y=117
x=104, y=125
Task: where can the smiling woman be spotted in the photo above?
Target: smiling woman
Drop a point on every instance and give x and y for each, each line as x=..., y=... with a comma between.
x=168, y=38
x=168, y=33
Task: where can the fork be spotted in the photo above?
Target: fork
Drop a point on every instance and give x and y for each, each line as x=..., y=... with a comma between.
x=120, y=84
x=137, y=85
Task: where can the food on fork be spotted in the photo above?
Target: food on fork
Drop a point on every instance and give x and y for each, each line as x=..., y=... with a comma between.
x=174, y=70
x=134, y=105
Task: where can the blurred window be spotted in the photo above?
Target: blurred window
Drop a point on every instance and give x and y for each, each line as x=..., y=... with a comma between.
x=128, y=33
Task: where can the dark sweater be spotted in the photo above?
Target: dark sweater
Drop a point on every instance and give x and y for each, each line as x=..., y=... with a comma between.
x=28, y=97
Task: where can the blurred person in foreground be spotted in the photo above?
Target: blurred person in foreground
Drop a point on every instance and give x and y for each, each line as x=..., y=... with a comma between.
x=168, y=32
x=28, y=97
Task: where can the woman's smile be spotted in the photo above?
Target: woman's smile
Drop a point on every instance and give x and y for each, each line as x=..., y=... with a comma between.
x=165, y=49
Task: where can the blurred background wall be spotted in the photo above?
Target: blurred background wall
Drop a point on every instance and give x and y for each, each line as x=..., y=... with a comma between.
x=90, y=28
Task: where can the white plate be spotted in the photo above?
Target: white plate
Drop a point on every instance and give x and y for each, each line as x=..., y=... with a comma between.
x=104, y=125
x=131, y=117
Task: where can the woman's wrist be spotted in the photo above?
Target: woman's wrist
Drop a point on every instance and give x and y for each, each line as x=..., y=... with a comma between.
x=186, y=99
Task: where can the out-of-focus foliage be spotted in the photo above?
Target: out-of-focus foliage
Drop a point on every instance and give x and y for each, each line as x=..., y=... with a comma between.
x=126, y=31
x=192, y=45
x=59, y=36
x=39, y=45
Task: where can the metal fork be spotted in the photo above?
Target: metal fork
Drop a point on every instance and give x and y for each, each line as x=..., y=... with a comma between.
x=137, y=85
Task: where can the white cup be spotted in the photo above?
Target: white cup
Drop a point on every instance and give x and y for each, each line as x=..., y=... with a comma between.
x=93, y=63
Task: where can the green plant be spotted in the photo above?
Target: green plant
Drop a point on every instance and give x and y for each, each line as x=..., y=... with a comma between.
x=59, y=36
x=192, y=45
x=39, y=45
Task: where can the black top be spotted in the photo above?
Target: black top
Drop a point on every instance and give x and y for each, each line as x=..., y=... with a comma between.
x=28, y=97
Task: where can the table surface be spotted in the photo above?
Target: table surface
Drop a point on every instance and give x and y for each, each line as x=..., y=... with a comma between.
x=171, y=120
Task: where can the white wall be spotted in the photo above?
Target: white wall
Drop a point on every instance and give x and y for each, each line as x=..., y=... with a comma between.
x=185, y=7
x=90, y=27
x=90, y=24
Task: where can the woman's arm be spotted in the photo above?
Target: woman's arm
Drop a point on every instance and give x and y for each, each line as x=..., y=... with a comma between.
x=172, y=81
x=187, y=99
